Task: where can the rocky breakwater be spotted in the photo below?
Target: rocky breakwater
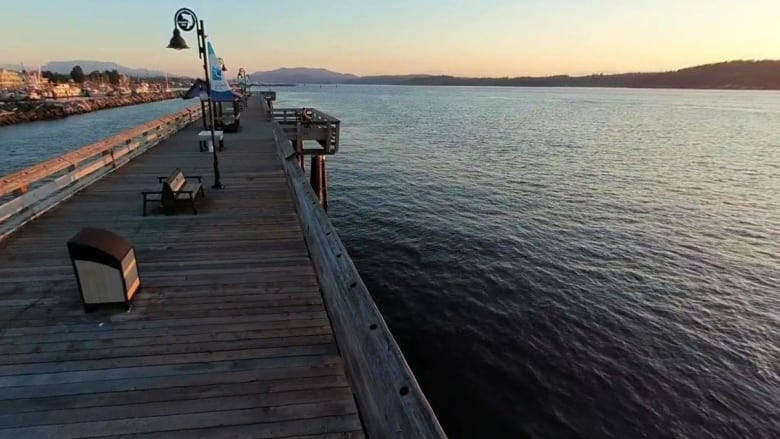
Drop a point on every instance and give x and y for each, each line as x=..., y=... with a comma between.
x=29, y=111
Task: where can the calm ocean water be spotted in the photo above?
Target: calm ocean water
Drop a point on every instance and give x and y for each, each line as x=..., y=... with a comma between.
x=27, y=144
x=585, y=263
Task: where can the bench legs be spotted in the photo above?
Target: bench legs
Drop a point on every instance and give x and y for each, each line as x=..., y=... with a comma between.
x=194, y=196
x=168, y=208
x=146, y=201
x=203, y=145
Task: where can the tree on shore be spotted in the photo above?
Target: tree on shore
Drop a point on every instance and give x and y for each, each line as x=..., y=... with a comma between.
x=95, y=75
x=55, y=78
x=113, y=76
x=77, y=74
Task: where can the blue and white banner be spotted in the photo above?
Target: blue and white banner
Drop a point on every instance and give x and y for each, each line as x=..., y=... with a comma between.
x=220, y=89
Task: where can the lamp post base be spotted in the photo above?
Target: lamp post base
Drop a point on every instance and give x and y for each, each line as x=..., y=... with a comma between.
x=218, y=186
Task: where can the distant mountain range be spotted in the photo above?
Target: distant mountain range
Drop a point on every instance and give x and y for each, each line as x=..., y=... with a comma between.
x=88, y=66
x=762, y=75
x=301, y=75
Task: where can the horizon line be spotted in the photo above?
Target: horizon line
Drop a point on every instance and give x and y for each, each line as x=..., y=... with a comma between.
x=22, y=65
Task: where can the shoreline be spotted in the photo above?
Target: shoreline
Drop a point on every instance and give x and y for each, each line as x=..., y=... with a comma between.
x=12, y=113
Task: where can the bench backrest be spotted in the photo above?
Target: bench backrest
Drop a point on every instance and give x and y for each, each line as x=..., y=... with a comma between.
x=176, y=180
x=174, y=183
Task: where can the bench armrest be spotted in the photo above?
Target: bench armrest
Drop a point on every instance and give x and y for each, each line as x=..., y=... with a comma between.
x=162, y=180
x=188, y=189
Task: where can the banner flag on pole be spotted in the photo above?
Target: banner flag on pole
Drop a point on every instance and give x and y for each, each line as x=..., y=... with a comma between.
x=220, y=89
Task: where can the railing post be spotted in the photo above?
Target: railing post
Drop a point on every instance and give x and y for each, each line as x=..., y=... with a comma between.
x=21, y=190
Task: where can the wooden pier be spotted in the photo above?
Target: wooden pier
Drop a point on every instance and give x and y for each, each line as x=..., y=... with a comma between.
x=251, y=320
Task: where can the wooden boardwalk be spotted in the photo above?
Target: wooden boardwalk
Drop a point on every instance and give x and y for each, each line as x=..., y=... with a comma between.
x=227, y=338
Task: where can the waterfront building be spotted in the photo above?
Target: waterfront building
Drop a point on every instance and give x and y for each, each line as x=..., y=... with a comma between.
x=11, y=79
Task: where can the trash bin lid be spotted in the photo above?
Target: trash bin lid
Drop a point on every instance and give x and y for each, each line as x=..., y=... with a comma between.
x=99, y=245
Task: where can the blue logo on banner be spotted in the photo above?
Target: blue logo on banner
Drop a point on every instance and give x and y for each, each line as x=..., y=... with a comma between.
x=216, y=73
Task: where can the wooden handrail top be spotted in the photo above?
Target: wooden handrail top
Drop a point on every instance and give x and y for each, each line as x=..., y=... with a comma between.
x=25, y=177
x=320, y=115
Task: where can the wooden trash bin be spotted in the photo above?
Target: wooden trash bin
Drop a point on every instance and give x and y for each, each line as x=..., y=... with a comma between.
x=105, y=266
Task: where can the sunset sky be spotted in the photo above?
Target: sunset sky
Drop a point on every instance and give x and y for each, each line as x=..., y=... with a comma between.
x=458, y=37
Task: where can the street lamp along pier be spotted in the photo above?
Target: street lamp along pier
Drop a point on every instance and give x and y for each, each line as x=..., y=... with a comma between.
x=185, y=20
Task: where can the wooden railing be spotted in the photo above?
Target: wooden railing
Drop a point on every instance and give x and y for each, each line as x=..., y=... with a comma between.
x=390, y=401
x=26, y=194
x=321, y=127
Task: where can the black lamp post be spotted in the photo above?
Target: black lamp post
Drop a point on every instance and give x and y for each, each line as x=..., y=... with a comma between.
x=241, y=79
x=186, y=20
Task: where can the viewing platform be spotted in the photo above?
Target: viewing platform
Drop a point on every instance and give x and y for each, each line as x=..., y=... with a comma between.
x=251, y=319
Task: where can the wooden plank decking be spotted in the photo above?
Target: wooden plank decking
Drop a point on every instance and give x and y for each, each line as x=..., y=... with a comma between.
x=227, y=338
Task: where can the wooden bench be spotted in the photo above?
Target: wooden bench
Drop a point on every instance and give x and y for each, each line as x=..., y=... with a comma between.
x=175, y=189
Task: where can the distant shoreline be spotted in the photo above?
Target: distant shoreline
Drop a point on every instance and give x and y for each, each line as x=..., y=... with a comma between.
x=285, y=84
x=16, y=112
x=731, y=75
x=623, y=87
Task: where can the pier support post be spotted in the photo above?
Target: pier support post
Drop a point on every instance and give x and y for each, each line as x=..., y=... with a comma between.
x=315, y=178
x=298, y=147
x=318, y=179
x=324, y=184
x=268, y=110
